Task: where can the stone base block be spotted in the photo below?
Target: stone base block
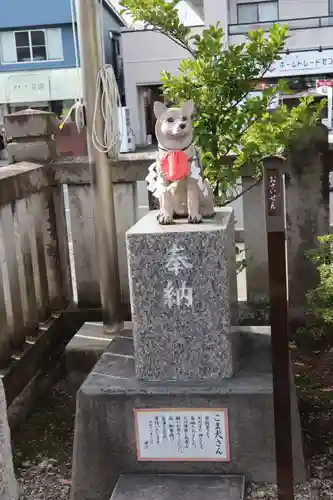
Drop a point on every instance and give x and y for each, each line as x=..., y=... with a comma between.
x=30, y=123
x=183, y=288
x=83, y=352
x=37, y=151
x=85, y=349
x=194, y=487
x=105, y=436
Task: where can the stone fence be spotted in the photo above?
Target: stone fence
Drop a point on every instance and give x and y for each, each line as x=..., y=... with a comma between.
x=47, y=240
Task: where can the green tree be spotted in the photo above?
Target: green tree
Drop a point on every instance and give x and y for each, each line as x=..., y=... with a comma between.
x=219, y=79
x=320, y=299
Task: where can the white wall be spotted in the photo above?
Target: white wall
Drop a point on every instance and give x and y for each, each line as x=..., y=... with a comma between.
x=145, y=55
x=59, y=83
x=311, y=38
x=294, y=9
x=217, y=11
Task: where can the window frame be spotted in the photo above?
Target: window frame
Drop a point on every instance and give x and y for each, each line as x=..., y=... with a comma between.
x=330, y=7
x=256, y=4
x=32, y=61
x=31, y=46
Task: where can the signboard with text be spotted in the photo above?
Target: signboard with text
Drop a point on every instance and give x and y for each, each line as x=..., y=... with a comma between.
x=310, y=62
x=28, y=88
x=323, y=87
x=182, y=435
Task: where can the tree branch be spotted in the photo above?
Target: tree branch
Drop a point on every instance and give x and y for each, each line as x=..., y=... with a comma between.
x=251, y=89
x=249, y=125
x=242, y=192
x=178, y=42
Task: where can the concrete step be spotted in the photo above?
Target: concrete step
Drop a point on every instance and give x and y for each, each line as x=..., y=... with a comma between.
x=179, y=487
x=85, y=349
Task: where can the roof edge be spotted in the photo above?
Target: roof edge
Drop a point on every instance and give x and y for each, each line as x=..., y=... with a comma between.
x=114, y=11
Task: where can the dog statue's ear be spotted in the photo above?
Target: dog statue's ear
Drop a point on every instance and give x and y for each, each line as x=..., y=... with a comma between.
x=159, y=108
x=188, y=108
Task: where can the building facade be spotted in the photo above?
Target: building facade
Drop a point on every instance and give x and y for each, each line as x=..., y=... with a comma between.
x=38, y=66
x=308, y=53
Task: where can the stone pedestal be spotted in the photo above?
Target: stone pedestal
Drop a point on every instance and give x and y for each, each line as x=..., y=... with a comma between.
x=196, y=487
x=184, y=296
x=105, y=441
x=188, y=393
x=30, y=134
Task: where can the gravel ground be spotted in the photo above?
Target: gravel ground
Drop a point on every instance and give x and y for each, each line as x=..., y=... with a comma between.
x=42, y=449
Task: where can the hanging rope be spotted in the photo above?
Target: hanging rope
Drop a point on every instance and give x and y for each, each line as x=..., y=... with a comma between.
x=107, y=140
x=108, y=102
x=107, y=98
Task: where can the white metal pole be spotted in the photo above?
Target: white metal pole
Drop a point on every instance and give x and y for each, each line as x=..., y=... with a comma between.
x=100, y=167
x=329, y=106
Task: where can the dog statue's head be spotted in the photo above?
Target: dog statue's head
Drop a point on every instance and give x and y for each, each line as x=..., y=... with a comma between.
x=174, y=130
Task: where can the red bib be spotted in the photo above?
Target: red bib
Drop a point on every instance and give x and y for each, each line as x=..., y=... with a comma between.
x=174, y=165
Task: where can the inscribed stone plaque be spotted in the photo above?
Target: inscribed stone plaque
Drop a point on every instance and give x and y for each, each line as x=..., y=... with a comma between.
x=182, y=435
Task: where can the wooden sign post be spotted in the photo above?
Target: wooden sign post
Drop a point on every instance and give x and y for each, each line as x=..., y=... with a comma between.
x=275, y=224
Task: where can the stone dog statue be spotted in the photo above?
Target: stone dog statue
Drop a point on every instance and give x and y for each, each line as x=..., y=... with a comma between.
x=176, y=176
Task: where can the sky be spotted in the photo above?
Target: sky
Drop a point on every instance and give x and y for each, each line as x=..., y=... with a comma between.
x=186, y=13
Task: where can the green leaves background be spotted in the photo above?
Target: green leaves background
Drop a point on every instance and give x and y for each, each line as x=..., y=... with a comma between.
x=219, y=79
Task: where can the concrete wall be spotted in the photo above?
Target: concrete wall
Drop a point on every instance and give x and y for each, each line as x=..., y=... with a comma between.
x=146, y=54
x=216, y=11
x=290, y=9
x=310, y=38
x=300, y=39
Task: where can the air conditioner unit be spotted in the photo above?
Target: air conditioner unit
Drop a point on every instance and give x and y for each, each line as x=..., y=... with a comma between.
x=126, y=131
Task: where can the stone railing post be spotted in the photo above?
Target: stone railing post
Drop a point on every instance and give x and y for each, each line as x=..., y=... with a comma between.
x=30, y=136
x=8, y=483
x=307, y=201
x=255, y=239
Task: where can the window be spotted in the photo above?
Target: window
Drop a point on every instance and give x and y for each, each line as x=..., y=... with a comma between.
x=259, y=12
x=330, y=8
x=31, y=46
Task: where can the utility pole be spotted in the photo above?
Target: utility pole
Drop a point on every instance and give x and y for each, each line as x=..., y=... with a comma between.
x=100, y=166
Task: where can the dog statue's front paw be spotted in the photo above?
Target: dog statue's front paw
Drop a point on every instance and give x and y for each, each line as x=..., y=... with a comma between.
x=194, y=219
x=164, y=219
